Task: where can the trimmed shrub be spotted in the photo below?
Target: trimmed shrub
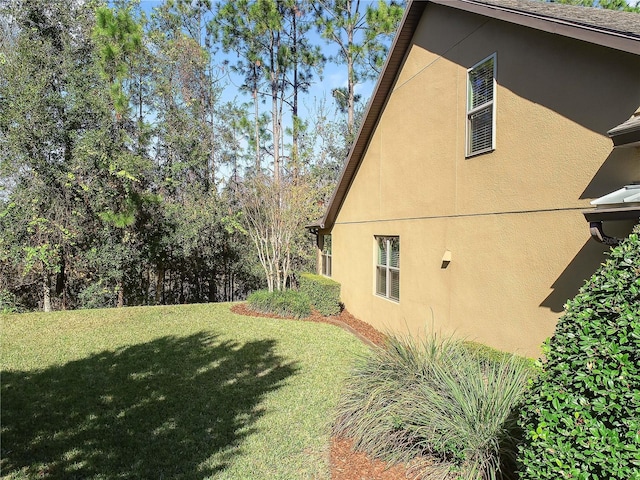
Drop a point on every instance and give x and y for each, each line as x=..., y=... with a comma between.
x=582, y=418
x=437, y=404
x=286, y=303
x=323, y=293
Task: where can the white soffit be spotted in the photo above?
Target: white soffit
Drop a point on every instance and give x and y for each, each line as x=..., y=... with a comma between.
x=627, y=194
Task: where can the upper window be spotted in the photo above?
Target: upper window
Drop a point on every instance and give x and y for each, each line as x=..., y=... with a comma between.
x=326, y=255
x=388, y=267
x=481, y=107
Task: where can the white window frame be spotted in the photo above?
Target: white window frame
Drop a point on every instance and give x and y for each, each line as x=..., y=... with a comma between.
x=387, y=268
x=326, y=256
x=490, y=104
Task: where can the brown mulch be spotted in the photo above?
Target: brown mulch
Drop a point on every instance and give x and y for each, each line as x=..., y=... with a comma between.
x=345, y=320
x=345, y=463
x=349, y=465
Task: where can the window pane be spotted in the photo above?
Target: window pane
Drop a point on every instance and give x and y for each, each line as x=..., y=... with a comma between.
x=326, y=265
x=382, y=251
x=381, y=281
x=481, y=84
x=394, y=259
x=326, y=244
x=394, y=290
x=481, y=125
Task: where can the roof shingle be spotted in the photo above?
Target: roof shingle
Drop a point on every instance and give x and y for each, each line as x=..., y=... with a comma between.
x=626, y=23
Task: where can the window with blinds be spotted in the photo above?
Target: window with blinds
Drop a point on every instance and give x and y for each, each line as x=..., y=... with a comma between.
x=388, y=267
x=326, y=255
x=481, y=107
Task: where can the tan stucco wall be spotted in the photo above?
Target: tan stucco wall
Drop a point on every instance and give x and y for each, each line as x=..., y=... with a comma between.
x=511, y=218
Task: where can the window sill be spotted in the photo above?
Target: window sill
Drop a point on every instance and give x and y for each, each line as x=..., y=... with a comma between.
x=481, y=152
x=397, y=302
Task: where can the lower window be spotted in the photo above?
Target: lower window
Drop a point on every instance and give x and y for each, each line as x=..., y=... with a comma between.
x=326, y=255
x=388, y=268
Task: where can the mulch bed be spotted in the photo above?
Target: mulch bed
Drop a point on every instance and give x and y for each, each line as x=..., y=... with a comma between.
x=345, y=320
x=345, y=463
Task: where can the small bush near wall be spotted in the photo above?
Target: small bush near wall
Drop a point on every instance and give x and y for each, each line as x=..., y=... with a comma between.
x=286, y=303
x=582, y=418
x=323, y=293
x=440, y=404
x=489, y=354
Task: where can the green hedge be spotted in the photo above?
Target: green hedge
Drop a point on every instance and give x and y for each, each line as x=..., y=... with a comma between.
x=582, y=417
x=323, y=293
x=287, y=303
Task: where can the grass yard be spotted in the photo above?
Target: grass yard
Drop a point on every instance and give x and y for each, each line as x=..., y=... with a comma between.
x=188, y=392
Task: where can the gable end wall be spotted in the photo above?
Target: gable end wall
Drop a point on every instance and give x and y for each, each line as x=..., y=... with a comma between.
x=511, y=218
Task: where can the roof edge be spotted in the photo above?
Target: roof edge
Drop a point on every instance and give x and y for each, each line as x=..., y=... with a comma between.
x=598, y=35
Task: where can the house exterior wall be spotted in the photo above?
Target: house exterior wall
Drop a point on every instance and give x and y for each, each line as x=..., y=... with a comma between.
x=511, y=218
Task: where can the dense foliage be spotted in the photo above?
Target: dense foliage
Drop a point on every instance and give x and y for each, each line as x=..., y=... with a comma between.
x=323, y=293
x=8, y=302
x=285, y=303
x=439, y=404
x=132, y=171
x=582, y=419
x=137, y=141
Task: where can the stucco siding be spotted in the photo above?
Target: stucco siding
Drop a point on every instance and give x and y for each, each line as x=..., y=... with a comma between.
x=500, y=287
x=511, y=218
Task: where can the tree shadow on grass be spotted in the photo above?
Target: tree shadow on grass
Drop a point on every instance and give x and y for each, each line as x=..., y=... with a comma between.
x=176, y=407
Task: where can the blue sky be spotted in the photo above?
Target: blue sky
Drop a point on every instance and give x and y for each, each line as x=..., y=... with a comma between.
x=333, y=76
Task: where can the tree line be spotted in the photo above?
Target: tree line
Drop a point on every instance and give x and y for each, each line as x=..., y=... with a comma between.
x=128, y=177
x=127, y=174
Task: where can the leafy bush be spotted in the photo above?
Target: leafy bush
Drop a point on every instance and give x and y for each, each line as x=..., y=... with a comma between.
x=490, y=354
x=323, y=292
x=582, y=420
x=286, y=303
x=9, y=302
x=97, y=295
x=438, y=404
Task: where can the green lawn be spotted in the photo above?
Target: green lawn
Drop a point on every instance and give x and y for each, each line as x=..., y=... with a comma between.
x=189, y=392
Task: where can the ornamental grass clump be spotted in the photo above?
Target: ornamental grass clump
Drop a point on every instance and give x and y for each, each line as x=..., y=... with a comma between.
x=582, y=418
x=437, y=404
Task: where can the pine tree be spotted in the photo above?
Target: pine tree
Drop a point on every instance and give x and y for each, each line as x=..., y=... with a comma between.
x=359, y=33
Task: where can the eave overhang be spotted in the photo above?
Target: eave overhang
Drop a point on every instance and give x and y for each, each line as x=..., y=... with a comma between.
x=610, y=214
x=627, y=134
x=541, y=18
x=314, y=227
x=623, y=204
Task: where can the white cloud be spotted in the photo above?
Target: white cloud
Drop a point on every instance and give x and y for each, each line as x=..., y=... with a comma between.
x=336, y=80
